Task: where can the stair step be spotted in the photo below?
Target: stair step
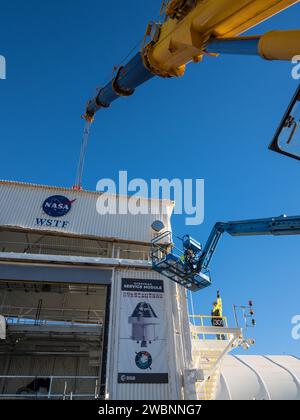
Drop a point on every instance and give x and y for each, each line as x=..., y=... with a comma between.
x=206, y=363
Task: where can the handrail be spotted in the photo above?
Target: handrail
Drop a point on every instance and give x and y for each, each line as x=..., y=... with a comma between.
x=19, y=314
x=203, y=317
x=221, y=330
x=49, y=395
x=37, y=247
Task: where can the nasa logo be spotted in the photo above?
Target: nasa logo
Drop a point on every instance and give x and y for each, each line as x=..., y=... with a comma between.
x=57, y=206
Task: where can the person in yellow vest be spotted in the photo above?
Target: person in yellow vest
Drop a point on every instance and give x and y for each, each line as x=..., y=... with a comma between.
x=217, y=315
x=188, y=259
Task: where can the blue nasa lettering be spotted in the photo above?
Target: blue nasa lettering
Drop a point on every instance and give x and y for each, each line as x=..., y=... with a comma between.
x=57, y=206
x=52, y=223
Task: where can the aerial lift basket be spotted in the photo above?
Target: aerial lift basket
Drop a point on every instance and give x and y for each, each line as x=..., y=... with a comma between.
x=169, y=261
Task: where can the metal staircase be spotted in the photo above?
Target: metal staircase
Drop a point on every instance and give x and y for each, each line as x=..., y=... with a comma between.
x=206, y=359
x=209, y=347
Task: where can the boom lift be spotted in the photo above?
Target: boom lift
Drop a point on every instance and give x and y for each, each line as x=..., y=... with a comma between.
x=190, y=267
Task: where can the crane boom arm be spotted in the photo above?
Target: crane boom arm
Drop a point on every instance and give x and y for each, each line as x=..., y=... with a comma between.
x=191, y=29
x=277, y=226
x=127, y=79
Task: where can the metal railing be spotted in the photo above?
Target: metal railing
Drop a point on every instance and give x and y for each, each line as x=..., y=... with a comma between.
x=74, y=250
x=208, y=321
x=67, y=249
x=162, y=245
x=21, y=315
x=59, y=387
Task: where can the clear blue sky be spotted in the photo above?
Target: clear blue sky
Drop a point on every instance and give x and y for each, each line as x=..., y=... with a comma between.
x=215, y=123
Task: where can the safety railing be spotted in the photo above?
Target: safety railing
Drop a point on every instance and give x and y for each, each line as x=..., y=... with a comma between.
x=208, y=321
x=162, y=245
x=50, y=387
x=82, y=250
x=21, y=315
x=44, y=248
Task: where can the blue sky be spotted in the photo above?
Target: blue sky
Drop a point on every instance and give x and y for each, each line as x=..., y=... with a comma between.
x=215, y=123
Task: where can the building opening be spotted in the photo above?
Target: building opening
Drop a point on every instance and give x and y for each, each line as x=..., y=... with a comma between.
x=54, y=340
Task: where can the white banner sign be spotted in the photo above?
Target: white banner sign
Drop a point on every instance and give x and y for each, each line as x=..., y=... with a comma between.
x=143, y=333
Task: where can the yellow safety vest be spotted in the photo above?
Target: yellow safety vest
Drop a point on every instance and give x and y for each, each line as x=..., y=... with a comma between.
x=219, y=307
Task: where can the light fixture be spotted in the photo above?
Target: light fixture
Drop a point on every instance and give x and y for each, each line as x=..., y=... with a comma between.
x=157, y=226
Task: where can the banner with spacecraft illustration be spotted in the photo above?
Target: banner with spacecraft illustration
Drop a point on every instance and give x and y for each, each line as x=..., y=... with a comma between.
x=143, y=333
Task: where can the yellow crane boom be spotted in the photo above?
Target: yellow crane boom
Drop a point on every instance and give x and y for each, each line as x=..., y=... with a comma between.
x=190, y=30
x=190, y=24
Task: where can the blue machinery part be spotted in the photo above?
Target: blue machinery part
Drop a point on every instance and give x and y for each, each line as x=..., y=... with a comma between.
x=190, y=268
x=239, y=46
x=274, y=45
x=179, y=266
x=190, y=244
x=127, y=79
x=135, y=73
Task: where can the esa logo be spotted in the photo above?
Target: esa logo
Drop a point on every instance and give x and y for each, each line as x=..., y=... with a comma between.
x=143, y=360
x=57, y=206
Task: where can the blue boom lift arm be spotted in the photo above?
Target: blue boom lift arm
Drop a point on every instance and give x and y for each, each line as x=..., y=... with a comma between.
x=191, y=268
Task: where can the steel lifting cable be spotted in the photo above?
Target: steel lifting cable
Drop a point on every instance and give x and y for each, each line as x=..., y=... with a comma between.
x=86, y=133
x=87, y=127
x=131, y=52
x=83, y=149
x=117, y=66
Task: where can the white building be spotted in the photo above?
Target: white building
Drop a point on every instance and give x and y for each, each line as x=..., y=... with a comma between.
x=83, y=315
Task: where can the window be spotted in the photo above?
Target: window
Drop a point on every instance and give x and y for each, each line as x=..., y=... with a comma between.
x=287, y=137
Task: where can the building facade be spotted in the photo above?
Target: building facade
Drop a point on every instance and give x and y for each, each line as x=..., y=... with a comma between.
x=84, y=316
x=76, y=290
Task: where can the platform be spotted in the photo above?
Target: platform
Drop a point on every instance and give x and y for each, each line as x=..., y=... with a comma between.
x=169, y=261
x=172, y=267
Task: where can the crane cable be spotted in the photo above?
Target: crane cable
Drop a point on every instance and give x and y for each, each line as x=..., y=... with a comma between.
x=85, y=140
x=86, y=133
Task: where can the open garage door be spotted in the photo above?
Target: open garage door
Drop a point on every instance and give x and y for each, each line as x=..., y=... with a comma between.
x=56, y=336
